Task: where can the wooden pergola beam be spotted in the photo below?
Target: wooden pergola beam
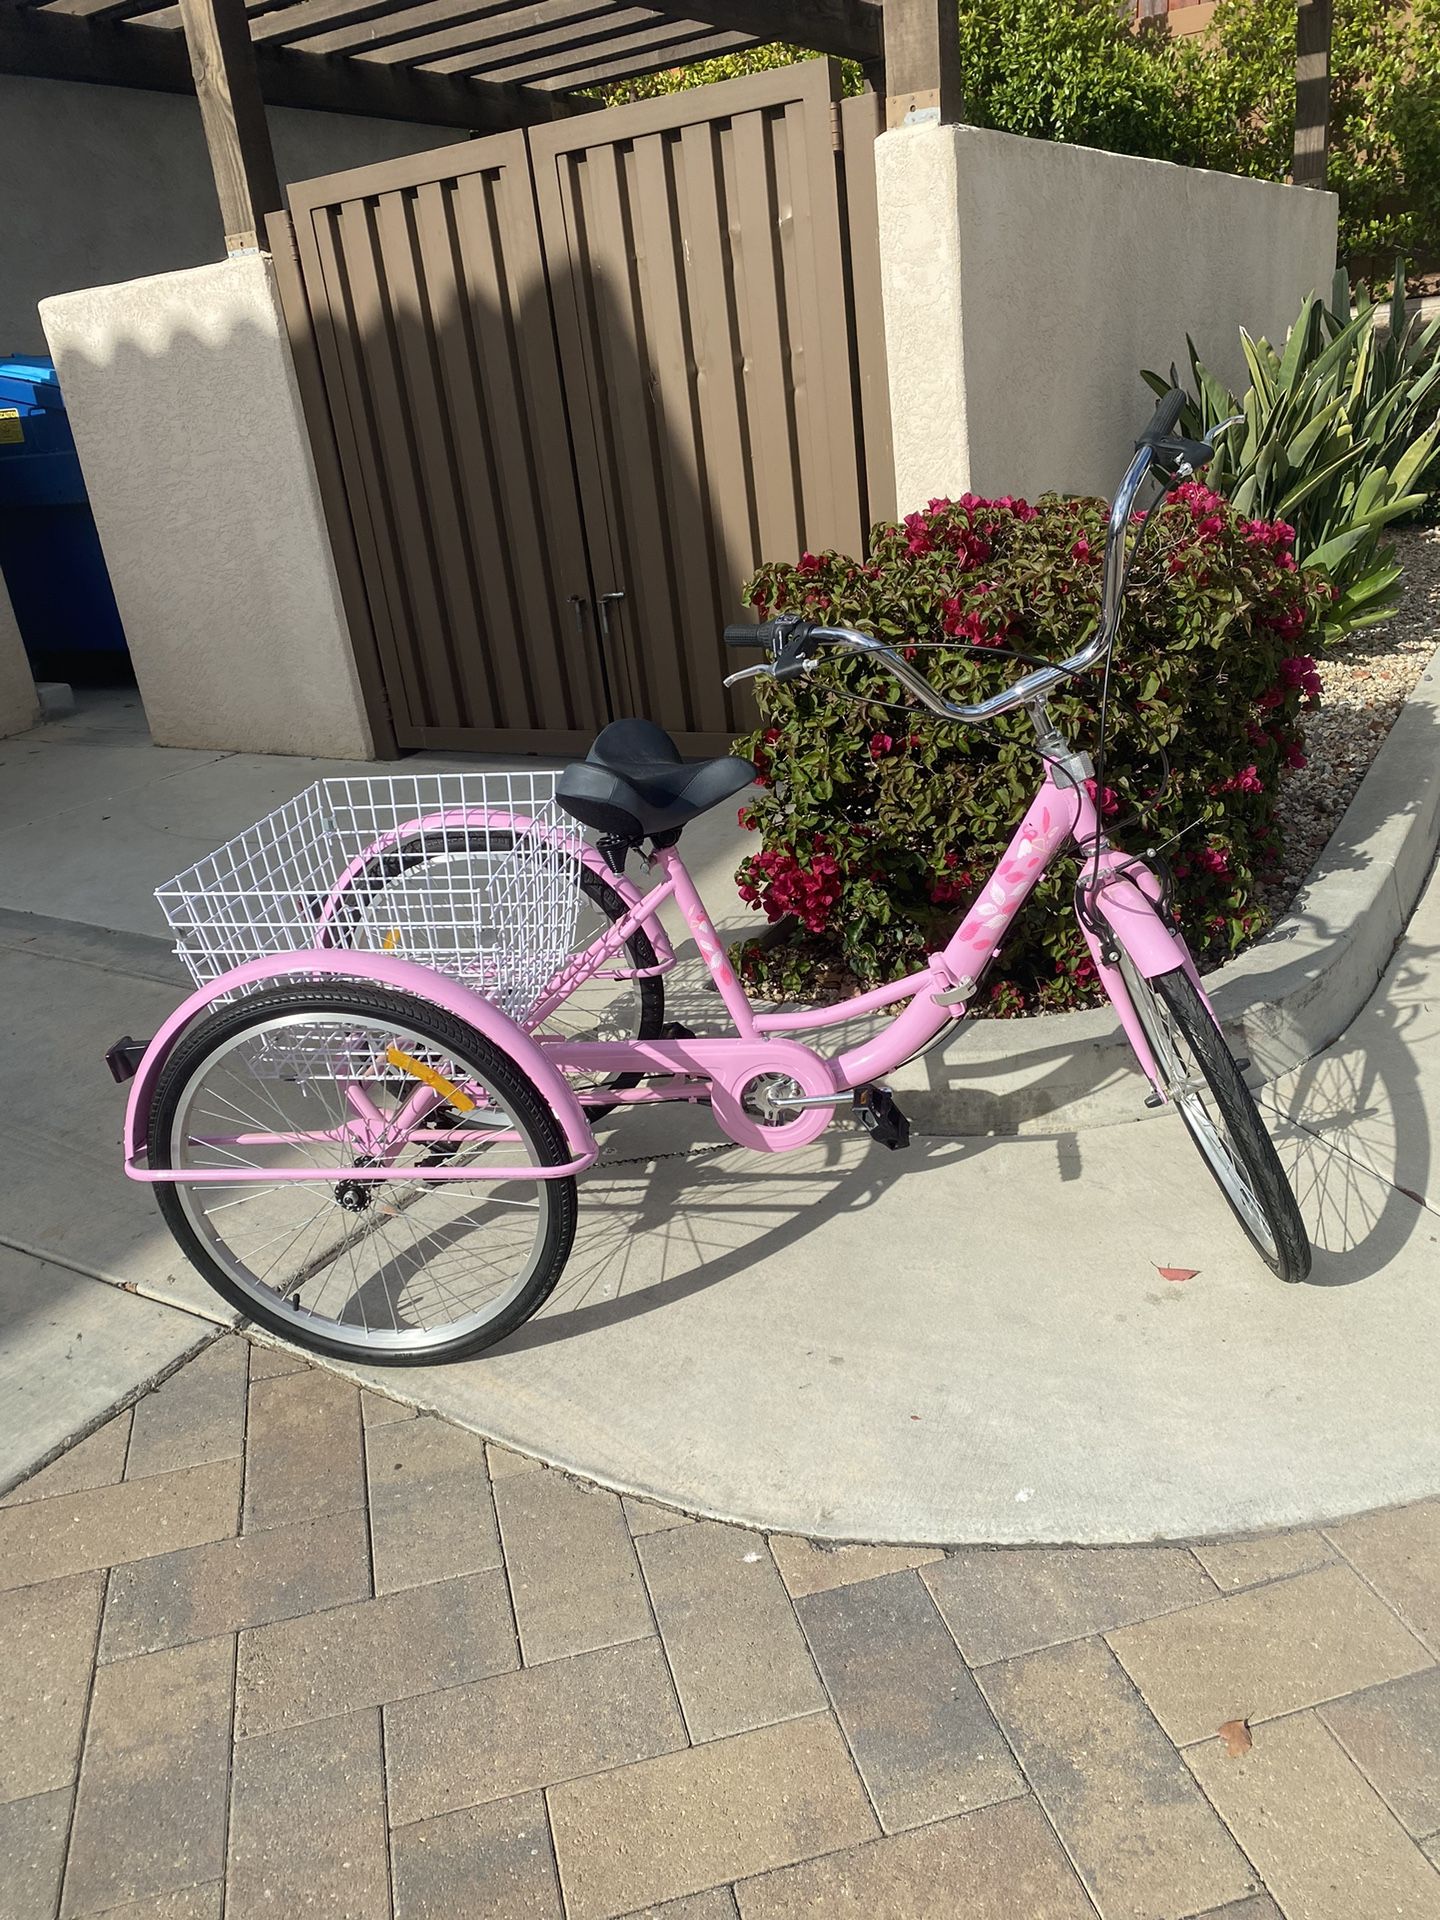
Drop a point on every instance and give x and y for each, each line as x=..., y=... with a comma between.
x=448, y=27
x=922, y=61
x=308, y=19
x=1312, y=94
x=46, y=46
x=232, y=113
x=849, y=29
x=590, y=72
x=651, y=49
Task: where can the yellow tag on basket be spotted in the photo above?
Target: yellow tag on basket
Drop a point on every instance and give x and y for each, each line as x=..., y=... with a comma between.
x=12, y=433
x=391, y=940
x=417, y=1069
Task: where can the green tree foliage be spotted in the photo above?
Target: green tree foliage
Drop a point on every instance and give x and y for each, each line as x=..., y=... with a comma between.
x=1075, y=70
x=1384, y=115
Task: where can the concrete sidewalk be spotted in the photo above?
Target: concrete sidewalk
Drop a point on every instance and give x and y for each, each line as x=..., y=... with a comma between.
x=971, y=1342
x=273, y=1646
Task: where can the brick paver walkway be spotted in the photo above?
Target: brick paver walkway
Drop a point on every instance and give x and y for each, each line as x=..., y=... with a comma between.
x=270, y=1645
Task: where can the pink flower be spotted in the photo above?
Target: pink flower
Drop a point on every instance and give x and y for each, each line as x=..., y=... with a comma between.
x=880, y=744
x=1214, y=860
x=810, y=563
x=1295, y=756
x=1082, y=551
x=1246, y=781
x=1289, y=625
x=1108, y=801
x=1299, y=671
x=1021, y=509
x=919, y=540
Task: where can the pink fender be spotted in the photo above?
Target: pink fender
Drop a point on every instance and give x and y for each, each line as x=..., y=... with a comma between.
x=1131, y=907
x=382, y=969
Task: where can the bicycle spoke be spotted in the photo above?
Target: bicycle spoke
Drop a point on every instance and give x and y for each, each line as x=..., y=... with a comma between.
x=408, y=1261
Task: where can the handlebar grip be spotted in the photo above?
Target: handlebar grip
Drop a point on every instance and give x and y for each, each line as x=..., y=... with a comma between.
x=785, y=632
x=1165, y=417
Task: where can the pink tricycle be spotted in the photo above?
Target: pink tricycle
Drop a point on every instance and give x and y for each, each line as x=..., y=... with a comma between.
x=416, y=994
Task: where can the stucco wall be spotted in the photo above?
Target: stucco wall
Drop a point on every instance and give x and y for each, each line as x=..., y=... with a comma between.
x=1026, y=284
x=182, y=395
x=110, y=183
x=19, y=708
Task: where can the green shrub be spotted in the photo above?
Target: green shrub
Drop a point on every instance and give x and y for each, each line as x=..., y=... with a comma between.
x=878, y=824
x=1341, y=437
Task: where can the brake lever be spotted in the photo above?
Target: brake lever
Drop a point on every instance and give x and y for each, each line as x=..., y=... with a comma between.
x=746, y=673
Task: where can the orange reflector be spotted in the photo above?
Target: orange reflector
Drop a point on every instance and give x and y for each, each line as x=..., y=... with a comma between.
x=417, y=1069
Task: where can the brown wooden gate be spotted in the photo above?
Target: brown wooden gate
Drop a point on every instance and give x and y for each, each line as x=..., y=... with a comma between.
x=568, y=387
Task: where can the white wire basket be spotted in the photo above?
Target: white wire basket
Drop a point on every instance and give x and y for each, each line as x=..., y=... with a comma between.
x=475, y=875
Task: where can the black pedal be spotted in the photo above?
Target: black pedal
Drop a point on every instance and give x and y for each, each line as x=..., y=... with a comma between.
x=877, y=1112
x=672, y=1030
x=123, y=1059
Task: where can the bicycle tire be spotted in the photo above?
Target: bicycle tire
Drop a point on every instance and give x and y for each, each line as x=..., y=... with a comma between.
x=522, y=1100
x=1285, y=1246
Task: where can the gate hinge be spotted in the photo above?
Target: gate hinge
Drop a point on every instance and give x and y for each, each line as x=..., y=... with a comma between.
x=837, y=137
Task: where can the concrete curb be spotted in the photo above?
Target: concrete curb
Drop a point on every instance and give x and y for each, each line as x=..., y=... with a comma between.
x=1281, y=1002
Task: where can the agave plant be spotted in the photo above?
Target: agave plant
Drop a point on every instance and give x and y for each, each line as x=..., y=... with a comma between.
x=1341, y=436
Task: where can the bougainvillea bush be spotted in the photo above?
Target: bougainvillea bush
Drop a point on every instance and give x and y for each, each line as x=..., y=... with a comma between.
x=877, y=824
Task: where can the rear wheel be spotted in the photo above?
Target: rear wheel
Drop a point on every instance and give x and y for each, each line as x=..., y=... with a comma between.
x=1198, y=1074
x=325, y=1079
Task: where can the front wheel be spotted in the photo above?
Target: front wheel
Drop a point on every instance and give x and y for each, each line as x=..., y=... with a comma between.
x=1198, y=1075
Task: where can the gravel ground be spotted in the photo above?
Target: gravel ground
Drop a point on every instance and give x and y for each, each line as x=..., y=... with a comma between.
x=1366, y=683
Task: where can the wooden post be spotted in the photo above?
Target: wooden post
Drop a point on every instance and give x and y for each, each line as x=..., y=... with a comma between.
x=922, y=61
x=227, y=86
x=1312, y=93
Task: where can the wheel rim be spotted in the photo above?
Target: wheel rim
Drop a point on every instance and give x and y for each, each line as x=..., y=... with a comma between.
x=377, y=1265
x=1188, y=1091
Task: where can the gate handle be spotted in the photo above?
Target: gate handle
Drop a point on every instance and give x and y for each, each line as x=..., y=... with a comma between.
x=580, y=604
x=603, y=610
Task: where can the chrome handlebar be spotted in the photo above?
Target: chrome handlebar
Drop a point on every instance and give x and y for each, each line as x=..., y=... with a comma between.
x=1038, y=682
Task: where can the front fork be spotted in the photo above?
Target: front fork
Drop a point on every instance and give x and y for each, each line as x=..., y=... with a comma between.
x=1126, y=909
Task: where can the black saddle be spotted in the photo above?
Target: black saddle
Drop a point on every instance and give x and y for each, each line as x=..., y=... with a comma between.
x=634, y=785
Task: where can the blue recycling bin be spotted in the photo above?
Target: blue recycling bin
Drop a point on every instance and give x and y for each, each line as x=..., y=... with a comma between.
x=49, y=549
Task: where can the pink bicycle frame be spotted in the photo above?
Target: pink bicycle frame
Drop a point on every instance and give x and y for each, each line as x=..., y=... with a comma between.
x=1120, y=891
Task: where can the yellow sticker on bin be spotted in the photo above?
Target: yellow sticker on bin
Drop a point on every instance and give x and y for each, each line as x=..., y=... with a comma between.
x=417, y=1069
x=12, y=433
